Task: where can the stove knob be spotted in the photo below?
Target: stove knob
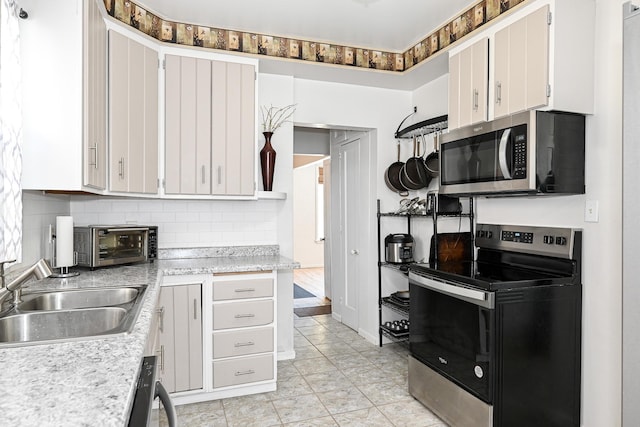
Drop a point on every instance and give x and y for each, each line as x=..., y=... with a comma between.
x=561, y=240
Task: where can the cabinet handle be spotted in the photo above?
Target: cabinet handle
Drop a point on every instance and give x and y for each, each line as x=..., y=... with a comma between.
x=162, y=358
x=95, y=156
x=244, y=344
x=161, y=316
x=242, y=316
x=195, y=309
x=219, y=175
x=245, y=290
x=498, y=93
x=247, y=372
x=475, y=100
x=121, y=168
x=202, y=174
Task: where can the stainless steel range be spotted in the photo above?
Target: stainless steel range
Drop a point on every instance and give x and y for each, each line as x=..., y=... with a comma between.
x=496, y=341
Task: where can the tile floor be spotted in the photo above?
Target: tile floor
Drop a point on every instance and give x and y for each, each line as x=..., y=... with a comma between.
x=337, y=379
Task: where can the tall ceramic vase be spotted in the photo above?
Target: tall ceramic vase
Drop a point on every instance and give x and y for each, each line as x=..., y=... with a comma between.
x=267, y=161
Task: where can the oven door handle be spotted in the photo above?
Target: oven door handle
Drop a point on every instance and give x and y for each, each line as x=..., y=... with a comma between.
x=481, y=298
x=111, y=230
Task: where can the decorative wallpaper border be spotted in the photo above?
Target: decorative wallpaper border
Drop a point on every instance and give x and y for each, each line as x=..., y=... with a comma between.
x=472, y=19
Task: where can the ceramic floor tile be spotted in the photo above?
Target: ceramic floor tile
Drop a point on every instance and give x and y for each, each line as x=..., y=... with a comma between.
x=314, y=366
x=344, y=400
x=304, y=321
x=309, y=352
x=301, y=341
x=370, y=417
x=322, y=338
x=385, y=392
x=335, y=348
x=364, y=375
x=313, y=330
x=316, y=422
x=289, y=387
x=382, y=359
x=327, y=381
x=300, y=408
x=255, y=414
x=324, y=318
x=363, y=345
x=410, y=414
x=249, y=399
x=347, y=361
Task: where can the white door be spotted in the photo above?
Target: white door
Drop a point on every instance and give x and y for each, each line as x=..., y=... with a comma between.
x=326, y=167
x=351, y=213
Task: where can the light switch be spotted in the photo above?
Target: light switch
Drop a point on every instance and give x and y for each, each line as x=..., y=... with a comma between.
x=591, y=211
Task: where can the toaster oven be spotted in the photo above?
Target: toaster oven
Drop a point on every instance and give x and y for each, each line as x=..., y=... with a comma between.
x=102, y=246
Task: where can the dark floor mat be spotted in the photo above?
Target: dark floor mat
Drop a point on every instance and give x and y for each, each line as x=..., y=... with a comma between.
x=299, y=292
x=312, y=311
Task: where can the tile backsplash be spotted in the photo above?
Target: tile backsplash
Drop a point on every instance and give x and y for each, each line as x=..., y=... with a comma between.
x=185, y=223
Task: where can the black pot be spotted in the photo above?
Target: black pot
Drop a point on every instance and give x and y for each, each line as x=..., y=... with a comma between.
x=432, y=161
x=392, y=177
x=414, y=171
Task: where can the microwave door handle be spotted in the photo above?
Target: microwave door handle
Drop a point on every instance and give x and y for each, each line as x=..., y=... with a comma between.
x=128, y=229
x=502, y=154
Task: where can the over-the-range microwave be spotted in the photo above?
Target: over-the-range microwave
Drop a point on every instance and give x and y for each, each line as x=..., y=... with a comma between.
x=534, y=152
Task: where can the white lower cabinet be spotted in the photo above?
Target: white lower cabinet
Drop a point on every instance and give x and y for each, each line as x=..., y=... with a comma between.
x=180, y=337
x=234, y=351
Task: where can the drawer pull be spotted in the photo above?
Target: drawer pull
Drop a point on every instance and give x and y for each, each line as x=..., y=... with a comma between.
x=160, y=312
x=242, y=316
x=247, y=372
x=244, y=344
x=245, y=290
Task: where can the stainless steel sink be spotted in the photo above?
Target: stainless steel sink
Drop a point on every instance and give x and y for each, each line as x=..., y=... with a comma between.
x=80, y=298
x=70, y=314
x=50, y=325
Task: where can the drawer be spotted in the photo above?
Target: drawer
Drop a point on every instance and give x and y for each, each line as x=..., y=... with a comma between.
x=243, y=370
x=241, y=314
x=242, y=342
x=239, y=289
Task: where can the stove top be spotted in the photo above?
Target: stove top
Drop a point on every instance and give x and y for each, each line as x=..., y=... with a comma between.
x=514, y=256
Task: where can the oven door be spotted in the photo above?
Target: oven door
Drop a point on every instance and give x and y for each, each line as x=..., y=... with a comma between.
x=452, y=332
x=124, y=245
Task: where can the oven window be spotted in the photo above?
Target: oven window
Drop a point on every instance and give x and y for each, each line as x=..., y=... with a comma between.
x=453, y=337
x=117, y=245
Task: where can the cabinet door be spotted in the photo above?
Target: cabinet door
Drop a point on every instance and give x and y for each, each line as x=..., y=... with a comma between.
x=479, y=80
x=537, y=48
x=454, y=91
x=133, y=115
x=118, y=110
x=465, y=90
x=233, y=128
x=501, y=73
x=95, y=98
x=180, y=337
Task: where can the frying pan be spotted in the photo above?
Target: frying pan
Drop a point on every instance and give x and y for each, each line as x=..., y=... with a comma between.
x=414, y=171
x=431, y=162
x=392, y=176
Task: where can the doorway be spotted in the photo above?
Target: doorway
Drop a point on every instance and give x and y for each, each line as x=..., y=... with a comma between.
x=311, y=157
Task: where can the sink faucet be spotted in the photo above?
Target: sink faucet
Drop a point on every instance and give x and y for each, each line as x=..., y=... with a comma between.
x=39, y=270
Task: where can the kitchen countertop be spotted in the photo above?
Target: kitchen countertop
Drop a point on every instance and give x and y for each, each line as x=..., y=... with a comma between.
x=91, y=382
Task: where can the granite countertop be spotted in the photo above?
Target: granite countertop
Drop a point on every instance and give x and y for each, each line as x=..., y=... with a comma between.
x=91, y=382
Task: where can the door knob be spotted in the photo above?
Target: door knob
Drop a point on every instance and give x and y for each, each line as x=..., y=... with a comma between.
x=354, y=252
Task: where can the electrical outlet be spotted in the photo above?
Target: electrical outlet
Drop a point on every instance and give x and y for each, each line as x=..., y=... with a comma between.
x=591, y=211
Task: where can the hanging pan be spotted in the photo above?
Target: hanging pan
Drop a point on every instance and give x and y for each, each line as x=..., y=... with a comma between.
x=392, y=176
x=414, y=172
x=432, y=162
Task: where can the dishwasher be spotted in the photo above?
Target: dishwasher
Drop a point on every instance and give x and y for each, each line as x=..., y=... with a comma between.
x=147, y=390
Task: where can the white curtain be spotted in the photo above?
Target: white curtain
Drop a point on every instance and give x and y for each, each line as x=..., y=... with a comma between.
x=10, y=134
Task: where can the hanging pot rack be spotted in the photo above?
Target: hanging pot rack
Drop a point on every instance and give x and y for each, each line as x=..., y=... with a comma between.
x=425, y=127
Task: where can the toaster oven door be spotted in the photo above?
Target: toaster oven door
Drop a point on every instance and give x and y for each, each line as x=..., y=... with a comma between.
x=114, y=246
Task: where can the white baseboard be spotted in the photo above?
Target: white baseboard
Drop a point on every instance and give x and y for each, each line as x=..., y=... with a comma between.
x=373, y=339
x=286, y=355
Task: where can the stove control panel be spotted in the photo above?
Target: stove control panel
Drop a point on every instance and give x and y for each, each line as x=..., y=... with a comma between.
x=548, y=241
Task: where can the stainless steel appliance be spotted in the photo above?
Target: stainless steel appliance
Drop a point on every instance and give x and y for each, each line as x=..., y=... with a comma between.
x=102, y=245
x=398, y=248
x=496, y=341
x=147, y=390
x=534, y=152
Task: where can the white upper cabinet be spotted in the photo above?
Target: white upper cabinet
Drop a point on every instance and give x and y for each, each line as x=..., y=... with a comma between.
x=537, y=58
x=63, y=59
x=133, y=116
x=521, y=64
x=210, y=127
x=468, y=77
